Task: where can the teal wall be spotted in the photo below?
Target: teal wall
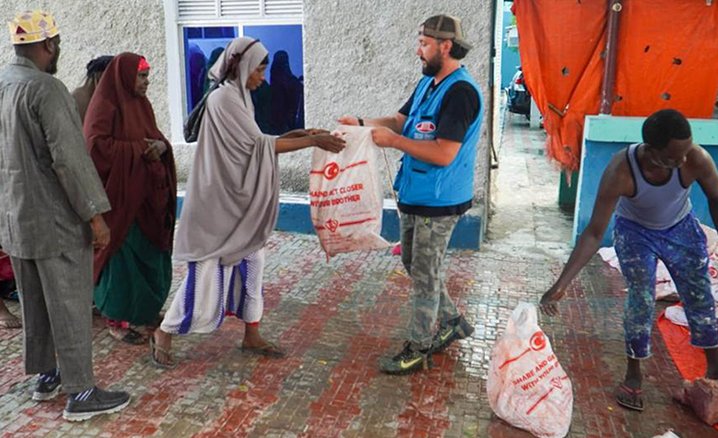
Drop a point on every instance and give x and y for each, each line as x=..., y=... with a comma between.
x=510, y=58
x=606, y=135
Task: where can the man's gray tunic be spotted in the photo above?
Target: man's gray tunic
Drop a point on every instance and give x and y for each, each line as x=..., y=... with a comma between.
x=49, y=191
x=49, y=188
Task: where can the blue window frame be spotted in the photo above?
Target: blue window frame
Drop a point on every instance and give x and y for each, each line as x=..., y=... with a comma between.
x=279, y=101
x=202, y=46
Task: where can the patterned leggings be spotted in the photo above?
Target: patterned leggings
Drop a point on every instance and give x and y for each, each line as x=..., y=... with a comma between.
x=682, y=248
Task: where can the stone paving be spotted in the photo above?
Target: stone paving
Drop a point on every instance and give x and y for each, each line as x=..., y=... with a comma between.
x=337, y=318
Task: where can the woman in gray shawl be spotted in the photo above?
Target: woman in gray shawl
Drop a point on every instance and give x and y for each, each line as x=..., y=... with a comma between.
x=231, y=207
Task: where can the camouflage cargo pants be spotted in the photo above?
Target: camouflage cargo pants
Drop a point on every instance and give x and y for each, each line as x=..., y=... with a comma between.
x=423, y=248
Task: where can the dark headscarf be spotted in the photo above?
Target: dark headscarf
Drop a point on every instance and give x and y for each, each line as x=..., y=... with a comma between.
x=281, y=70
x=286, y=91
x=142, y=191
x=197, y=73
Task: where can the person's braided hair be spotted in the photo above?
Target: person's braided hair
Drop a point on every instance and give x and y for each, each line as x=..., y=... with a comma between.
x=98, y=65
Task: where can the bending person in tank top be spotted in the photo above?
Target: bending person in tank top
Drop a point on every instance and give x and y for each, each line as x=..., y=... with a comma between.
x=647, y=186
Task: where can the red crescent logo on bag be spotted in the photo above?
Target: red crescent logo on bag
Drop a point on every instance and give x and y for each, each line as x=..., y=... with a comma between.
x=557, y=383
x=425, y=127
x=538, y=341
x=332, y=225
x=331, y=170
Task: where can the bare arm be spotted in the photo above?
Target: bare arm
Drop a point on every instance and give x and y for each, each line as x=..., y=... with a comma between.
x=294, y=133
x=615, y=182
x=327, y=142
x=387, y=133
x=707, y=177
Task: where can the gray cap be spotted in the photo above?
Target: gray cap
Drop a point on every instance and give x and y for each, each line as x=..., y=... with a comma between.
x=444, y=27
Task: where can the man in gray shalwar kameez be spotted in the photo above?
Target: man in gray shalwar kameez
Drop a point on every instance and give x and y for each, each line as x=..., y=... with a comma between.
x=51, y=203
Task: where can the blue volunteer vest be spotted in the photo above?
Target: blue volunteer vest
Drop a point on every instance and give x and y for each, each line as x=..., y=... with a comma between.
x=428, y=185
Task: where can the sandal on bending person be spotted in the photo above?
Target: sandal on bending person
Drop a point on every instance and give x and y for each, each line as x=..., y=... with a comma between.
x=630, y=398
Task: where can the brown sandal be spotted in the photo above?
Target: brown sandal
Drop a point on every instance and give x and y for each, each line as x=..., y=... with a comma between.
x=154, y=349
x=130, y=336
x=269, y=349
x=630, y=398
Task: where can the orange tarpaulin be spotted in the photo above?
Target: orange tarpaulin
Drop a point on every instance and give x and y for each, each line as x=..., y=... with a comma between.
x=667, y=57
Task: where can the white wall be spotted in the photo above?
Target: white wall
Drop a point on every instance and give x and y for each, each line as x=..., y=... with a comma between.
x=360, y=59
x=92, y=28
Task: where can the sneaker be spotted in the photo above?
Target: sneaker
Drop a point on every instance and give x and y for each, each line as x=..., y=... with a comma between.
x=87, y=404
x=457, y=328
x=406, y=362
x=46, y=389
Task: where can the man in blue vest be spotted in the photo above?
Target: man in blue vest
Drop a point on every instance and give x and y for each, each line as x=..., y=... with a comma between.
x=437, y=129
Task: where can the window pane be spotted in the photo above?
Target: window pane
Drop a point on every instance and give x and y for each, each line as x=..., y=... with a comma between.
x=279, y=102
x=202, y=46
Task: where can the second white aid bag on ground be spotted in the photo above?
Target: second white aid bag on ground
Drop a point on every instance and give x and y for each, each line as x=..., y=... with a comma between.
x=526, y=385
x=345, y=196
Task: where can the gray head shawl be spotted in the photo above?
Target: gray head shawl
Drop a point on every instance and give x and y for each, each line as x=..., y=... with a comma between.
x=233, y=189
x=252, y=52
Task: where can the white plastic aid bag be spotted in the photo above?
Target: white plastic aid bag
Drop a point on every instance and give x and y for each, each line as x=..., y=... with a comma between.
x=526, y=385
x=345, y=197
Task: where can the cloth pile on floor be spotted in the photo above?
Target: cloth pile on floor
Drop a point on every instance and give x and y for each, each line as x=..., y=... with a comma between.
x=691, y=364
x=702, y=396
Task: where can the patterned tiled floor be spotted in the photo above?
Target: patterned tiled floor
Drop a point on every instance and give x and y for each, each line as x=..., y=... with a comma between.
x=337, y=318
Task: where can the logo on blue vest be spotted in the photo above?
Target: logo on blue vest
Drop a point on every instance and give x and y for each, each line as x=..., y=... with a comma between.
x=425, y=127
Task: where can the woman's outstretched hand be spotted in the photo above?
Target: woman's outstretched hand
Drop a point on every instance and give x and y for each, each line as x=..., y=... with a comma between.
x=329, y=142
x=316, y=131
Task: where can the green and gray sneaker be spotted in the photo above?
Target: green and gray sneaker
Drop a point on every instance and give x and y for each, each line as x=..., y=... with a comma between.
x=457, y=328
x=406, y=362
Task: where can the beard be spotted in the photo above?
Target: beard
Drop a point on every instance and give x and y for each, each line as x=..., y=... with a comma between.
x=432, y=67
x=52, y=67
